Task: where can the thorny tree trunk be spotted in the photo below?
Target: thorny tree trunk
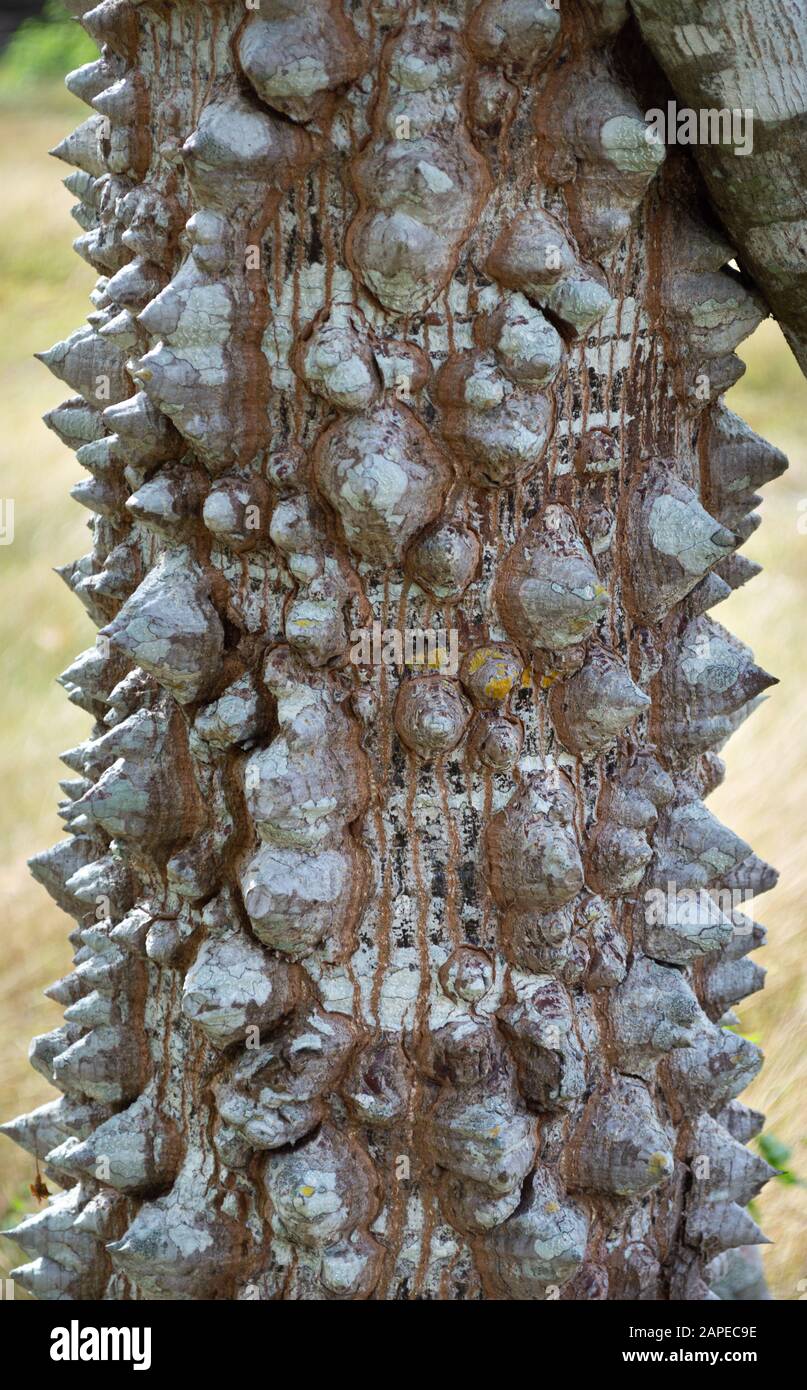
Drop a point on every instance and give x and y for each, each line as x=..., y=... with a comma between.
x=399, y=981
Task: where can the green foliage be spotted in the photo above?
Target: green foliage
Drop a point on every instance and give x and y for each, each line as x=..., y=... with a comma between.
x=19, y=1205
x=777, y=1154
x=46, y=47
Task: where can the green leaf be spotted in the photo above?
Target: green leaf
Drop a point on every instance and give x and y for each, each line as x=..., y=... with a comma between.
x=773, y=1150
x=49, y=46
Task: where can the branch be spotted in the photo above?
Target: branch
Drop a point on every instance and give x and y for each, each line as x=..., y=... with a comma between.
x=748, y=55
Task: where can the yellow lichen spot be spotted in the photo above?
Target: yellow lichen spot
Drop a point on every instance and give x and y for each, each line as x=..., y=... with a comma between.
x=526, y=679
x=478, y=659
x=438, y=658
x=495, y=1132
x=659, y=1162
x=600, y=589
x=552, y=1207
x=305, y=1191
x=549, y=679
x=498, y=687
x=303, y=622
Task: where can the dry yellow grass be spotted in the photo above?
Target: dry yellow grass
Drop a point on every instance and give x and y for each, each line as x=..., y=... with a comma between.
x=763, y=796
x=43, y=290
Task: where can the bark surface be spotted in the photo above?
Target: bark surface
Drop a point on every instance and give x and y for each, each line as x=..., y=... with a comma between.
x=399, y=978
x=749, y=57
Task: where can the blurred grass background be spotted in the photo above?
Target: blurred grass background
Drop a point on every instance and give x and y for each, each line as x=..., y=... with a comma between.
x=43, y=296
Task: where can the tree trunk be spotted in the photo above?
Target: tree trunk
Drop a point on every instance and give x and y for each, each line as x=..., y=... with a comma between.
x=404, y=935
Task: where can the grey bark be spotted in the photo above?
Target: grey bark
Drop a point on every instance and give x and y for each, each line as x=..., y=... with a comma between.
x=749, y=57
